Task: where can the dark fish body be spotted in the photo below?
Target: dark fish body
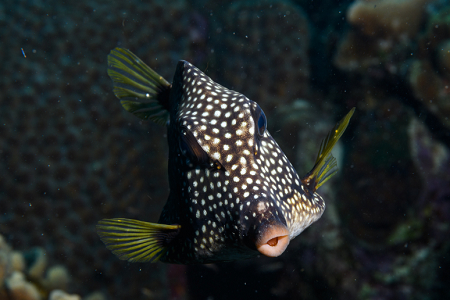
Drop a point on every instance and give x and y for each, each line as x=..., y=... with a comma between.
x=233, y=192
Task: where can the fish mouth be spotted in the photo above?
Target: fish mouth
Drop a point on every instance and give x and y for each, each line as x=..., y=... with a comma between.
x=273, y=241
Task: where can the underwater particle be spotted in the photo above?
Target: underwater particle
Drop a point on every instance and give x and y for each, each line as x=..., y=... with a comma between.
x=198, y=224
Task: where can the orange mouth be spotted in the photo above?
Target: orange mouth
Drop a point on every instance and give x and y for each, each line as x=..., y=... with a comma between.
x=273, y=241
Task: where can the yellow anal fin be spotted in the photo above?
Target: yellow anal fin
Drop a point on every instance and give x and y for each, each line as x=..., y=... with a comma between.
x=136, y=241
x=326, y=166
x=141, y=90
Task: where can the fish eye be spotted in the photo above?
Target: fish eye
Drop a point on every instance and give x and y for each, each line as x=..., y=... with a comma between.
x=262, y=123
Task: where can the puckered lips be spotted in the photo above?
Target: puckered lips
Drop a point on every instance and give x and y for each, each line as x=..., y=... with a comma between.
x=273, y=241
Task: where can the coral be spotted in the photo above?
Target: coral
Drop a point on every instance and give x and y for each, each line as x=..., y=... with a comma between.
x=39, y=264
x=57, y=278
x=17, y=261
x=387, y=18
x=61, y=295
x=380, y=35
x=394, y=204
x=20, y=289
x=429, y=75
x=437, y=32
x=10, y=261
x=432, y=159
x=431, y=89
x=35, y=282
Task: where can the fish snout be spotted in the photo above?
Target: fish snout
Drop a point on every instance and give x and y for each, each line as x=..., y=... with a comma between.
x=273, y=240
x=264, y=227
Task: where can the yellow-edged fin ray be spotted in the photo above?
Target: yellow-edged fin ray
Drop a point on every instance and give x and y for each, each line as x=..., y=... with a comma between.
x=326, y=166
x=136, y=241
x=141, y=90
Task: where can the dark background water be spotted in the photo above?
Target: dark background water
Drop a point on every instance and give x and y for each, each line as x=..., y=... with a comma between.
x=70, y=155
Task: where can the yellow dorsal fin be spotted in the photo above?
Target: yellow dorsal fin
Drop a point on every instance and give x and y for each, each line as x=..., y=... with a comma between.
x=326, y=166
x=136, y=241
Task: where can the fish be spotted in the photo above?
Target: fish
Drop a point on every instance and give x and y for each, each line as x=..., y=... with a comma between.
x=233, y=192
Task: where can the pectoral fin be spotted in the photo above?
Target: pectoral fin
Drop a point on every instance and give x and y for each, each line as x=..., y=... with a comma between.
x=136, y=241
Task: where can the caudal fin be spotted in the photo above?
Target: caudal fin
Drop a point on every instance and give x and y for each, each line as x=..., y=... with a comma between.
x=136, y=241
x=141, y=90
x=326, y=165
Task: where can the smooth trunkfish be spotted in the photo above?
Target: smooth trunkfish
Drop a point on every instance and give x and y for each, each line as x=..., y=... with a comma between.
x=233, y=192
